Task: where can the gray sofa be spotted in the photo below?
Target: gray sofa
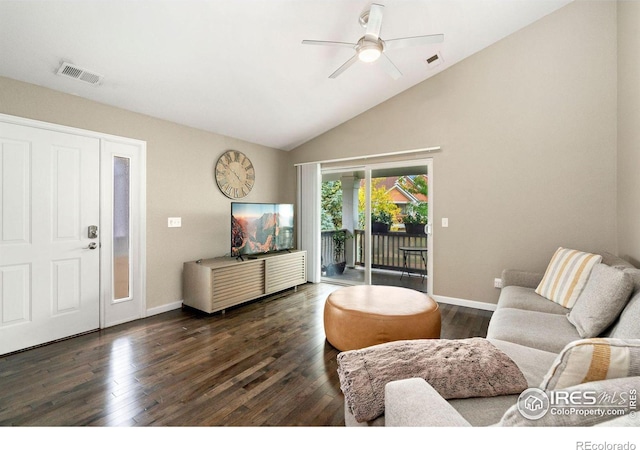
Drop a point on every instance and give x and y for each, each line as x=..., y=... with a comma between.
x=532, y=331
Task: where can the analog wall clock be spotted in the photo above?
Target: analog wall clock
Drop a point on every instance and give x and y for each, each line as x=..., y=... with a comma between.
x=235, y=174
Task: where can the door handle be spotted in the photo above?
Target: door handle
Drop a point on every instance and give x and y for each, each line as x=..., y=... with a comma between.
x=92, y=246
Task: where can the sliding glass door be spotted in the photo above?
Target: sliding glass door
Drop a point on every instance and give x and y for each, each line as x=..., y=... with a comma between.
x=341, y=229
x=375, y=222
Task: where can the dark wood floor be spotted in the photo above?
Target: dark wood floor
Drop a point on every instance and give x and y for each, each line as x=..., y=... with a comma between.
x=265, y=363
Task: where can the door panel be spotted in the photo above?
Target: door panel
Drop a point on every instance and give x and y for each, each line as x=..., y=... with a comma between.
x=49, y=277
x=122, y=277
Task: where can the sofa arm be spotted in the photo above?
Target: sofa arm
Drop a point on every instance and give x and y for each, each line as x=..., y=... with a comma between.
x=511, y=277
x=415, y=403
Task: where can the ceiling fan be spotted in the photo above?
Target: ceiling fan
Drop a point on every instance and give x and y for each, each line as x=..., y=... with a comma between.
x=371, y=47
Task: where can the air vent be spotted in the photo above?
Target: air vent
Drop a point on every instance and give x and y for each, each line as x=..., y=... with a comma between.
x=78, y=73
x=434, y=60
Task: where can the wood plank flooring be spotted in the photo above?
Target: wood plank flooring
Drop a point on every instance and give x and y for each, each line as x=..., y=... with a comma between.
x=265, y=363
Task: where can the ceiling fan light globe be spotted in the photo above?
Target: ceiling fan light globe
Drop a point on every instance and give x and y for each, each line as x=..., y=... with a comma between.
x=369, y=54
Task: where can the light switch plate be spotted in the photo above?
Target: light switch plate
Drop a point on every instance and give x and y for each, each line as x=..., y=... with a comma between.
x=175, y=222
x=445, y=222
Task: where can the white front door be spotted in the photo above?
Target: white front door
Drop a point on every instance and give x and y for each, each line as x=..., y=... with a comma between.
x=49, y=264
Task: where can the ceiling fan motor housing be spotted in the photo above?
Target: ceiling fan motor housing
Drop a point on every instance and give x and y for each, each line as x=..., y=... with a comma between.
x=369, y=50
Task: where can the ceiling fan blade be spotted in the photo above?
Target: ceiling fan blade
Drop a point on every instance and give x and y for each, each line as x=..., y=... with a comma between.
x=332, y=43
x=344, y=67
x=389, y=67
x=392, y=44
x=374, y=22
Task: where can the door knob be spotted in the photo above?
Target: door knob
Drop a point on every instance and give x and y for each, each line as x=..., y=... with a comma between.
x=92, y=246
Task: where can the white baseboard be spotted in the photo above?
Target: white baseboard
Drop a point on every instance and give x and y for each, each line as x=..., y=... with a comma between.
x=164, y=308
x=466, y=303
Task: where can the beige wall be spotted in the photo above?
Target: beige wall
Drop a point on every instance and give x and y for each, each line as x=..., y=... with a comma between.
x=528, y=135
x=629, y=130
x=180, y=179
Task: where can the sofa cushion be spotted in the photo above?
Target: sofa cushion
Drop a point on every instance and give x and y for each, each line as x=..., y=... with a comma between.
x=533, y=363
x=554, y=418
x=594, y=359
x=615, y=261
x=413, y=402
x=483, y=411
x=514, y=277
x=544, y=331
x=525, y=298
x=627, y=326
x=566, y=275
x=604, y=296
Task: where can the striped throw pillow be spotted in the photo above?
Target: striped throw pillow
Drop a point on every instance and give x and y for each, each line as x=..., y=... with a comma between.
x=595, y=359
x=566, y=275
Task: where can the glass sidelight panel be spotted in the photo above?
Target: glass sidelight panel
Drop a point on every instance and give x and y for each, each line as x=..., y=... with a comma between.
x=121, y=228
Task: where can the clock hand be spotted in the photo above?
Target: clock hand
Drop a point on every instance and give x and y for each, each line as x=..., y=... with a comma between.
x=235, y=174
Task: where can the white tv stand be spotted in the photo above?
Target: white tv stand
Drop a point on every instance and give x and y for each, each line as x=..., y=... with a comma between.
x=215, y=284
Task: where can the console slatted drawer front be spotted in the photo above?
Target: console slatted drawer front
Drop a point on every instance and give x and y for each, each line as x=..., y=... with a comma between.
x=285, y=271
x=231, y=286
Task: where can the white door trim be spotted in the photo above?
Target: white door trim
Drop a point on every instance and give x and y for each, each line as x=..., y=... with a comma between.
x=141, y=219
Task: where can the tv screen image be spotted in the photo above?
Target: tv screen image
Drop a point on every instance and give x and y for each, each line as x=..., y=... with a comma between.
x=258, y=228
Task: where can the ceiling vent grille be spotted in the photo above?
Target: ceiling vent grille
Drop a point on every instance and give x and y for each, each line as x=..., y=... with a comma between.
x=434, y=60
x=78, y=73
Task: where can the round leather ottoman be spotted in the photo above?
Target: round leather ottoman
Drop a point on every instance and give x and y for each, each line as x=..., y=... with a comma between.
x=360, y=316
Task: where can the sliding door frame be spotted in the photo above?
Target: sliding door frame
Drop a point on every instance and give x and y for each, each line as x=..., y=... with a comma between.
x=368, y=169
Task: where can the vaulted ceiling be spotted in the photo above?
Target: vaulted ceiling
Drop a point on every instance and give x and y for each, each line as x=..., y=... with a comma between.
x=238, y=67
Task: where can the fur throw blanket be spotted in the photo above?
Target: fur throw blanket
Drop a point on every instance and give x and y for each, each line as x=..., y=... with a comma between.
x=458, y=368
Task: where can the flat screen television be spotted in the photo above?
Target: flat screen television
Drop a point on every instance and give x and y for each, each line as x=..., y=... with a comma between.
x=259, y=228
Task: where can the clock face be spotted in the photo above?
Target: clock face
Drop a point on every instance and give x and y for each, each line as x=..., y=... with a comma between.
x=235, y=174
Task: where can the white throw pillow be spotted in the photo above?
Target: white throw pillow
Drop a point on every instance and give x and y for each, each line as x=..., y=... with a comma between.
x=566, y=276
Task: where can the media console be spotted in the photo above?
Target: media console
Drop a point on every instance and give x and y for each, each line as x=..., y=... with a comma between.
x=215, y=284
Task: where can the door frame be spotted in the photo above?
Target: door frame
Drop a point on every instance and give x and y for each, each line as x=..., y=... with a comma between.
x=139, y=215
x=368, y=168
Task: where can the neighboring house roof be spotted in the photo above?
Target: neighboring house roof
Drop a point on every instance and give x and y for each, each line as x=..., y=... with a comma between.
x=398, y=194
x=401, y=195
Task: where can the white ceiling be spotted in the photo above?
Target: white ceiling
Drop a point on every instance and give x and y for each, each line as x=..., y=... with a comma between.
x=237, y=67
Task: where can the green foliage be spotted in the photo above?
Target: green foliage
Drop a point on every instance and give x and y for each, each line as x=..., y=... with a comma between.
x=331, y=206
x=382, y=207
x=417, y=212
x=339, y=239
x=382, y=217
x=418, y=184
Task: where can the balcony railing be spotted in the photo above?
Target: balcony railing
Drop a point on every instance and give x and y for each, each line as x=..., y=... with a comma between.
x=385, y=254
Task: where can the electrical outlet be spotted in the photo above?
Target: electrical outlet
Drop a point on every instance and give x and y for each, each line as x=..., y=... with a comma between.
x=174, y=222
x=497, y=283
